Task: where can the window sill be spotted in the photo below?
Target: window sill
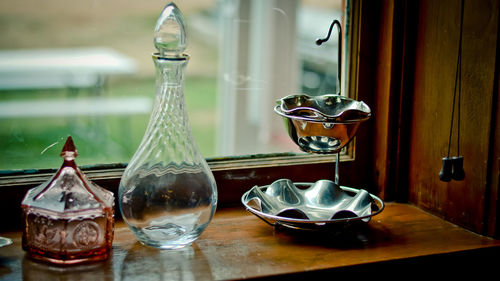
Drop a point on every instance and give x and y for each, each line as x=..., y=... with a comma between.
x=114, y=171
x=237, y=245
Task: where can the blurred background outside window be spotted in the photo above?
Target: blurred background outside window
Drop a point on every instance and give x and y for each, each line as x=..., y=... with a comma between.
x=84, y=69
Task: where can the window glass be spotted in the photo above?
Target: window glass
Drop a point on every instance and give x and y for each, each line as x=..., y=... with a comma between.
x=84, y=69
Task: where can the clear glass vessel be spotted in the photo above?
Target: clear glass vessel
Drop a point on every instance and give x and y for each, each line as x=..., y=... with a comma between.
x=68, y=219
x=168, y=194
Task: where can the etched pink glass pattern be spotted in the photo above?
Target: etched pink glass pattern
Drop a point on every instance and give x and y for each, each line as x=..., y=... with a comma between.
x=68, y=219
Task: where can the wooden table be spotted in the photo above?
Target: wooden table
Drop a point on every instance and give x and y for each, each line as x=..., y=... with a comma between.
x=237, y=245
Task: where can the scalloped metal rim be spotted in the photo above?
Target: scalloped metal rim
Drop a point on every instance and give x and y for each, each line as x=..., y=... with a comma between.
x=280, y=219
x=322, y=116
x=277, y=109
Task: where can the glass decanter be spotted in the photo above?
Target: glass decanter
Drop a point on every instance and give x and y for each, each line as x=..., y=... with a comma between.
x=167, y=194
x=68, y=219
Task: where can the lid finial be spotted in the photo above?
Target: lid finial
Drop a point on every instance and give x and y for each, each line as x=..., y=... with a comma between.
x=69, y=151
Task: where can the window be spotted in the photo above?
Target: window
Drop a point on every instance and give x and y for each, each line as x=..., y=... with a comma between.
x=268, y=52
x=86, y=71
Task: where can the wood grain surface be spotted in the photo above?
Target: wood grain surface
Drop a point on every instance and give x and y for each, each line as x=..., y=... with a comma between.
x=462, y=202
x=237, y=245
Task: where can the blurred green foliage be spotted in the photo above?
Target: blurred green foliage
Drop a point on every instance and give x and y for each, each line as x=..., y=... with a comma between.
x=27, y=143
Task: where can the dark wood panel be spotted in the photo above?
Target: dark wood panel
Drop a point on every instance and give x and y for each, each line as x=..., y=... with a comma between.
x=493, y=208
x=462, y=202
x=493, y=193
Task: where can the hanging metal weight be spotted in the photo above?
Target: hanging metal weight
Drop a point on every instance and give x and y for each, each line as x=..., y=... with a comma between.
x=458, y=172
x=446, y=169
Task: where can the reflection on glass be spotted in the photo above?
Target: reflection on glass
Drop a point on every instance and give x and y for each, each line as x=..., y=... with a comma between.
x=5, y=241
x=92, y=60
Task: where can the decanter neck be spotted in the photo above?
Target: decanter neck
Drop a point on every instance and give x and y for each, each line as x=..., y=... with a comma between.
x=168, y=135
x=170, y=70
x=169, y=100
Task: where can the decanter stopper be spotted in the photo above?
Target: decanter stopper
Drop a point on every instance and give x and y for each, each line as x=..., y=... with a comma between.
x=68, y=219
x=170, y=32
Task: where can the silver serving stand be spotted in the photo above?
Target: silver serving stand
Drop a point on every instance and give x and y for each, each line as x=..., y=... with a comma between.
x=320, y=125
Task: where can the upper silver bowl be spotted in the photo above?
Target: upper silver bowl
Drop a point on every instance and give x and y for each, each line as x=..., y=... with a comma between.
x=328, y=108
x=322, y=124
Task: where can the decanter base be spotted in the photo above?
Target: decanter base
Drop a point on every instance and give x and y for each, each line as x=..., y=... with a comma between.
x=169, y=236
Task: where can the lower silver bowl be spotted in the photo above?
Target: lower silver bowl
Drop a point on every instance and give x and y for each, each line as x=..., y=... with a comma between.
x=311, y=206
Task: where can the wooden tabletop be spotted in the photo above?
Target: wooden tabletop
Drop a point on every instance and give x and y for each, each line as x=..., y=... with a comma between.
x=238, y=245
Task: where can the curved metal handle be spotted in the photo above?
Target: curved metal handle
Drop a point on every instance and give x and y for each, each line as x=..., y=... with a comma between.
x=339, y=60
